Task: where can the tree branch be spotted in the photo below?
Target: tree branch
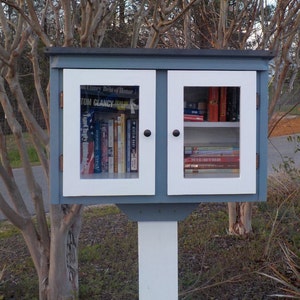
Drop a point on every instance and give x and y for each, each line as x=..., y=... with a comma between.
x=33, y=22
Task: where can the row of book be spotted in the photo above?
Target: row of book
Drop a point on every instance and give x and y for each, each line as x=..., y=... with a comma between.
x=211, y=159
x=108, y=145
x=222, y=105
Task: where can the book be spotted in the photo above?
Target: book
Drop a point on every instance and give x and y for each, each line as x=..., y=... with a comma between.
x=87, y=142
x=213, y=104
x=110, y=146
x=128, y=145
x=212, y=159
x=223, y=104
x=230, y=165
x=233, y=104
x=211, y=150
x=97, y=147
x=194, y=111
x=121, y=143
x=115, y=145
x=134, y=146
x=211, y=171
x=193, y=118
x=104, y=146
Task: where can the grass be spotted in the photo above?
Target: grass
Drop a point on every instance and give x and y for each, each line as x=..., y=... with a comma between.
x=14, y=155
x=291, y=109
x=211, y=264
x=7, y=230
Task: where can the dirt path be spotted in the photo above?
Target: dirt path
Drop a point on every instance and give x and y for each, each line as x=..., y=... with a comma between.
x=286, y=126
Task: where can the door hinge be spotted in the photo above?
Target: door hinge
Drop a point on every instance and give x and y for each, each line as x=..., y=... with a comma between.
x=61, y=100
x=61, y=163
x=257, y=100
x=257, y=160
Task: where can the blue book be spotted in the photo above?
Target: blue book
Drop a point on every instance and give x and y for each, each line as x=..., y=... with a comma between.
x=97, y=148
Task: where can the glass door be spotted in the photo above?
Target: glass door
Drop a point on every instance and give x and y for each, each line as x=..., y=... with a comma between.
x=109, y=132
x=212, y=126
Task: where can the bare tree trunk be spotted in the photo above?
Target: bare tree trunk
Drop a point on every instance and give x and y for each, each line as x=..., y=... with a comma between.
x=222, y=24
x=187, y=26
x=240, y=218
x=64, y=252
x=138, y=21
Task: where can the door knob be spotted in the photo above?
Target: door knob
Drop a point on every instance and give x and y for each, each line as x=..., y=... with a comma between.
x=176, y=132
x=147, y=133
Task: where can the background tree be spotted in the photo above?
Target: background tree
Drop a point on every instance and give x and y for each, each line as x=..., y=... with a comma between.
x=27, y=26
x=252, y=25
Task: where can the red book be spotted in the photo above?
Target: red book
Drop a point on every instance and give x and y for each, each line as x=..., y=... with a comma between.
x=213, y=159
x=193, y=118
x=213, y=104
x=223, y=104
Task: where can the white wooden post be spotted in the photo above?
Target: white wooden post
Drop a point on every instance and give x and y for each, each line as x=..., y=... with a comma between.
x=158, y=260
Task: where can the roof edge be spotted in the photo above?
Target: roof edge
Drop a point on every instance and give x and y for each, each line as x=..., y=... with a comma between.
x=54, y=51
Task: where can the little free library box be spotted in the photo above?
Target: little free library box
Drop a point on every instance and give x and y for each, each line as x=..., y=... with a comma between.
x=164, y=129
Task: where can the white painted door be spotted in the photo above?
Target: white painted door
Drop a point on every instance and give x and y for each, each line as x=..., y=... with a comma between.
x=108, y=132
x=211, y=132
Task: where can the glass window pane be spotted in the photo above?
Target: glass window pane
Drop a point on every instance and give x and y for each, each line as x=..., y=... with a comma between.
x=211, y=132
x=109, y=131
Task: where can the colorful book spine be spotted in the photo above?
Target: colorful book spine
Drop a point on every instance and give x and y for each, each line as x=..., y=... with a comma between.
x=121, y=143
x=104, y=147
x=116, y=145
x=218, y=150
x=233, y=104
x=128, y=145
x=111, y=146
x=223, y=104
x=213, y=104
x=87, y=143
x=194, y=111
x=193, y=118
x=212, y=166
x=212, y=159
x=134, y=147
x=211, y=171
x=97, y=148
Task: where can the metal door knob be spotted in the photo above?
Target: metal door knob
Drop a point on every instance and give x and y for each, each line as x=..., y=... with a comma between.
x=176, y=132
x=147, y=133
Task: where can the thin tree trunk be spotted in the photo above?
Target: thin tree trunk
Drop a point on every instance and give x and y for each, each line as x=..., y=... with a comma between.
x=64, y=253
x=240, y=218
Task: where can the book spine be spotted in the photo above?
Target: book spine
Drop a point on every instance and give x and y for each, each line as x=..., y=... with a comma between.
x=97, y=148
x=213, y=159
x=210, y=171
x=104, y=147
x=233, y=99
x=121, y=143
x=223, y=104
x=191, y=111
x=212, y=166
x=111, y=146
x=193, y=118
x=128, y=145
x=213, y=104
x=116, y=146
x=87, y=143
x=200, y=150
x=133, y=147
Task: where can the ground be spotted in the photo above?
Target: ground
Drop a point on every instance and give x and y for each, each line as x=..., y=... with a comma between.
x=212, y=264
x=287, y=126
